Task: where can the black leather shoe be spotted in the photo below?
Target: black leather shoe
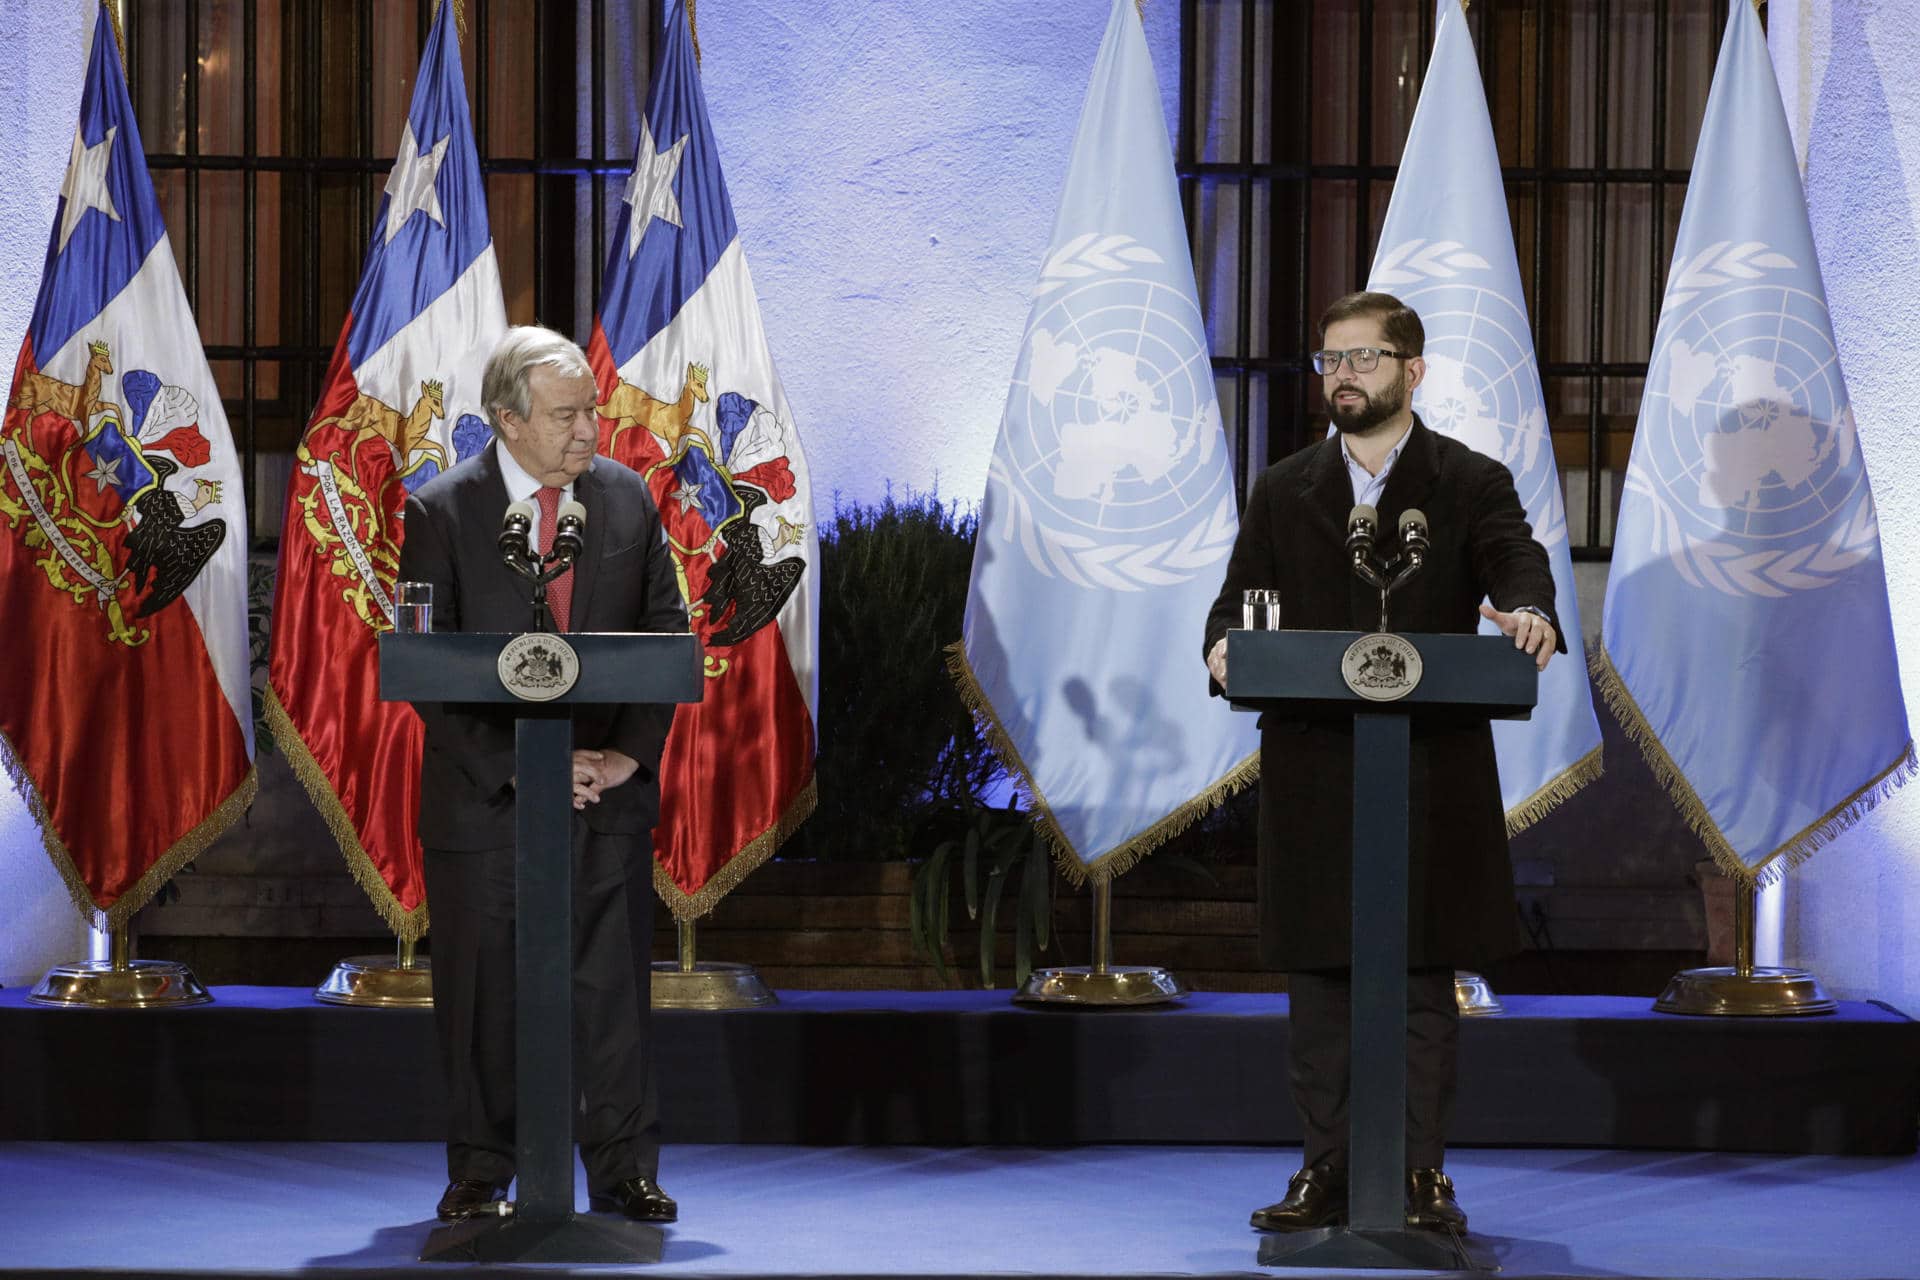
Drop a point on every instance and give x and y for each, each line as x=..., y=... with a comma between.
x=467, y=1197
x=1316, y=1197
x=638, y=1198
x=1430, y=1202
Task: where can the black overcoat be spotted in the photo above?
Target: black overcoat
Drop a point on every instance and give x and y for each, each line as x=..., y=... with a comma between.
x=623, y=581
x=1292, y=537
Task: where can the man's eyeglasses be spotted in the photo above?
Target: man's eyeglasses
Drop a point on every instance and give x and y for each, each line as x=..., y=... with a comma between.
x=1363, y=359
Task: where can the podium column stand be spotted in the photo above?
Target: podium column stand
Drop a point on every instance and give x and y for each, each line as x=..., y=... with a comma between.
x=1384, y=682
x=540, y=1225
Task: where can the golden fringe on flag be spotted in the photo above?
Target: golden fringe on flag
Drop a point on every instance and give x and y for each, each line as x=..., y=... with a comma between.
x=184, y=850
x=686, y=906
x=407, y=926
x=1120, y=859
x=1557, y=791
x=1804, y=843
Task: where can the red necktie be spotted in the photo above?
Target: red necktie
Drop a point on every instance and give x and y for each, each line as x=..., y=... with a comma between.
x=560, y=590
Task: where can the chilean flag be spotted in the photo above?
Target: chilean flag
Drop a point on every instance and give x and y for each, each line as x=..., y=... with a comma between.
x=125, y=707
x=401, y=404
x=690, y=399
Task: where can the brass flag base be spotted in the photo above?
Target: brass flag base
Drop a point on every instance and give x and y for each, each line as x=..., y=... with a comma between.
x=1113, y=986
x=134, y=984
x=709, y=984
x=1473, y=996
x=379, y=982
x=687, y=983
x=1759, y=992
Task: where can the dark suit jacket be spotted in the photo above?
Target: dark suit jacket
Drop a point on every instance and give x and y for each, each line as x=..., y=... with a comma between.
x=623, y=581
x=1293, y=537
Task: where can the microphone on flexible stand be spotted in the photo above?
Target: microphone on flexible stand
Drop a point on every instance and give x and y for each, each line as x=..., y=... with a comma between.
x=569, y=533
x=1414, y=540
x=516, y=527
x=1363, y=527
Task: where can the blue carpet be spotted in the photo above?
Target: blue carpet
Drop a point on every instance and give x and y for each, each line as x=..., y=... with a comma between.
x=364, y=1208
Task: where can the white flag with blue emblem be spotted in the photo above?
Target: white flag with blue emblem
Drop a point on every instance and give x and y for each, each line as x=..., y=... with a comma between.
x=1747, y=642
x=1109, y=509
x=1446, y=250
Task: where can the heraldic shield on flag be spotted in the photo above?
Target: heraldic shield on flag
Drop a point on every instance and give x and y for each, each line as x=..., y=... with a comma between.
x=690, y=399
x=1748, y=641
x=401, y=404
x=1446, y=250
x=1109, y=511
x=127, y=717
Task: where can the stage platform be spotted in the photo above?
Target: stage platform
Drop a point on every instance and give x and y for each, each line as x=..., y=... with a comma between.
x=363, y=1210
x=969, y=1068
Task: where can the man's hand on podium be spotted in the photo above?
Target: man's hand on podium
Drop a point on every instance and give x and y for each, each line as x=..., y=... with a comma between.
x=596, y=771
x=1529, y=630
x=1217, y=662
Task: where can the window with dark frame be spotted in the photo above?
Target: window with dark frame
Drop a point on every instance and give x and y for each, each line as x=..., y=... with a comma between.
x=1293, y=118
x=271, y=125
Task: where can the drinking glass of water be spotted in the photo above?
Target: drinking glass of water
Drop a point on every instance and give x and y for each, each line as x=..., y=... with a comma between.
x=1260, y=609
x=413, y=608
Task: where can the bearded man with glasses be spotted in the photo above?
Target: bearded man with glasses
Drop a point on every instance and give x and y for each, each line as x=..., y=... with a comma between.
x=1484, y=562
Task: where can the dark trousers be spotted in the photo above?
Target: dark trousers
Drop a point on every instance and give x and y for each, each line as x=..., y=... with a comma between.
x=617, y=1119
x=1320, y=1036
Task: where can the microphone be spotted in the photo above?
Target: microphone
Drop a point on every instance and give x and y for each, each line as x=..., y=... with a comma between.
x=1413, y=536
x=515, y=527
x=569, y=532
x=1363, y=526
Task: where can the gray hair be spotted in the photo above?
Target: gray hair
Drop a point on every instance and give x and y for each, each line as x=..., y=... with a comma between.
x=503, y=386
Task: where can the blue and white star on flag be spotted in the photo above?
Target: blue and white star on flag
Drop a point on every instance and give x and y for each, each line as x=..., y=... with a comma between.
x=85, y=186
x=410, y=187
x=650, y=186
x=1748, y=642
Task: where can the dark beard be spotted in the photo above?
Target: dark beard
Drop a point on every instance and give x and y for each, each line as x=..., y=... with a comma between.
x=1376, y=409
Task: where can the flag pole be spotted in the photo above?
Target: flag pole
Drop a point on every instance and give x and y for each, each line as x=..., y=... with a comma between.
x=687, y=982
x=1102, y=982
x=1744, y=989
x=119, y=981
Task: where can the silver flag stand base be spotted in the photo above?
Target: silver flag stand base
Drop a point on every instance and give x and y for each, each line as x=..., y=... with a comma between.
x=378, y=982
x=1760, y=992
x=101, y=984
x=1102, y=984
x=1473, y=996
x=1110, y=985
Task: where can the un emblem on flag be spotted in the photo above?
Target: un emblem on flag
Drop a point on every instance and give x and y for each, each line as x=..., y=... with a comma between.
x=1112, y=438
x=1747, y=449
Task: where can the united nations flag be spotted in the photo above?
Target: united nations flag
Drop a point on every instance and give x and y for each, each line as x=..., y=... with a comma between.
x=1446, y=250
x=1109, y=508
x=1748, y=645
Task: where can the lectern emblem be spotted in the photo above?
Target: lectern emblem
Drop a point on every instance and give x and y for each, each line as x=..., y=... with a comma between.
x=1382, y=667
x=538, y=667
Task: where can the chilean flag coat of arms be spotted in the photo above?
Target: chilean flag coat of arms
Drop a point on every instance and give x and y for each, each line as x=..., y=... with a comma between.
x=690, y=400
x=401, y=403
x=125, y=709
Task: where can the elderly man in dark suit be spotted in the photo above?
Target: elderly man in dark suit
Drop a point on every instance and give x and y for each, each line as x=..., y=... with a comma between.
x=1461, y=884
x=539, y=393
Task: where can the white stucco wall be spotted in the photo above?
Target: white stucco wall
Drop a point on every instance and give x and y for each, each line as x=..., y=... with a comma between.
x=1846, y=73
x=42, y=58
x=895, y=171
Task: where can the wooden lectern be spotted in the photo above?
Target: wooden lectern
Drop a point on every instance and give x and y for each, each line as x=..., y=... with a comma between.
x=1454, y=677
x=612, y=668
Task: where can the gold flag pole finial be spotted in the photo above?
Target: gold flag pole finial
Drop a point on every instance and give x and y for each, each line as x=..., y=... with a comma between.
x=459, y=14
x=119, y=31
x=693, y=30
